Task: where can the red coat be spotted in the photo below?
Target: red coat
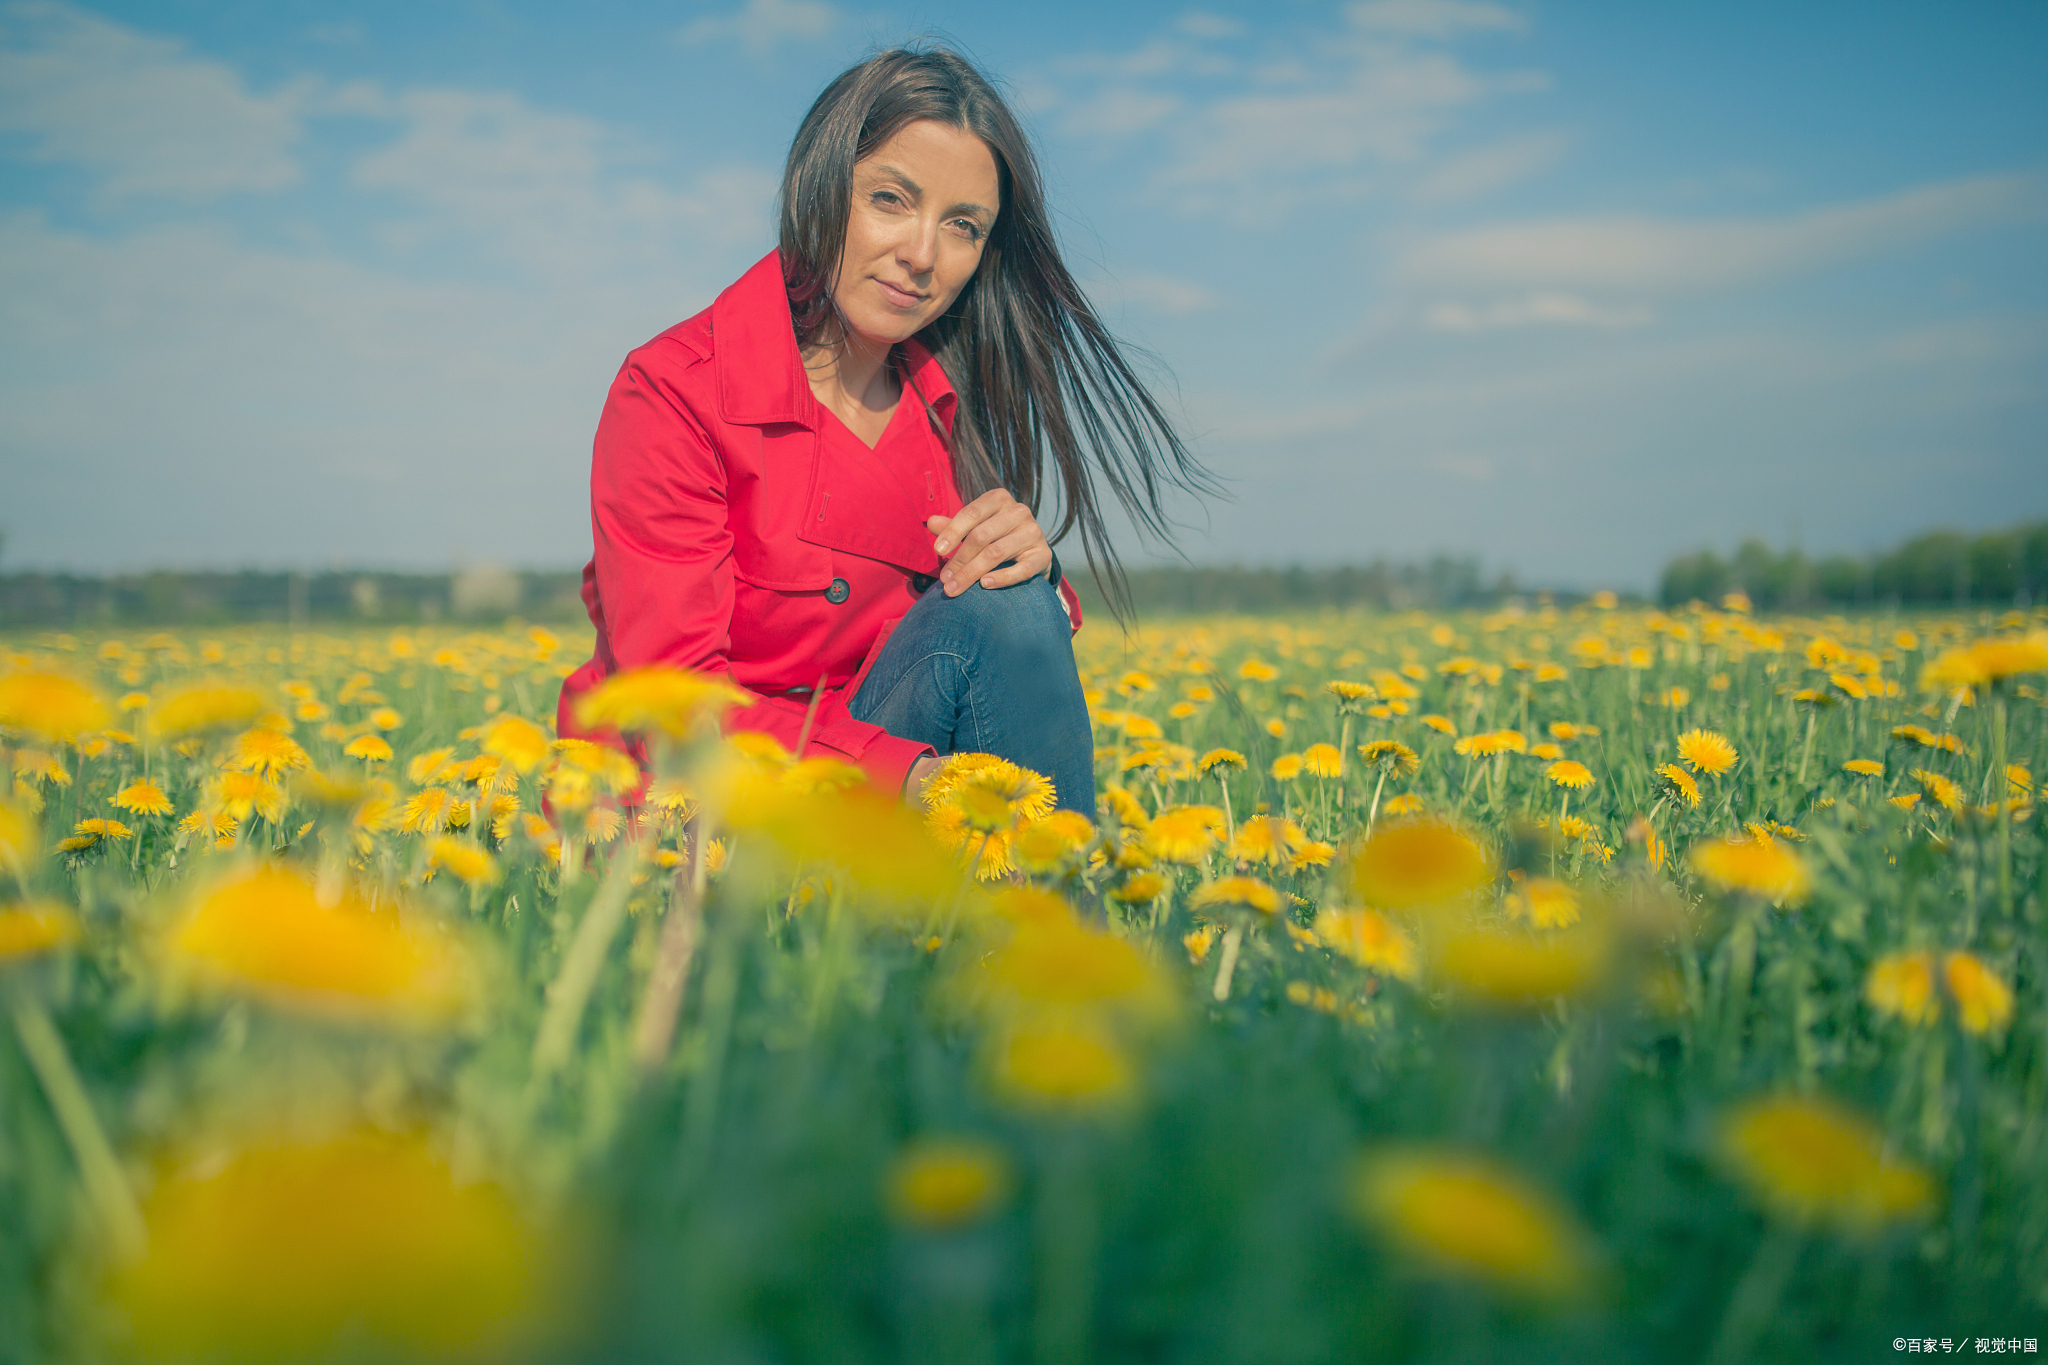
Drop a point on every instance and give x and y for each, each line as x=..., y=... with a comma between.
x=727, y=519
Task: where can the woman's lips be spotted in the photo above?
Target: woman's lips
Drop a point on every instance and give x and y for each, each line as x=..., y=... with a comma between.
x=902, y=298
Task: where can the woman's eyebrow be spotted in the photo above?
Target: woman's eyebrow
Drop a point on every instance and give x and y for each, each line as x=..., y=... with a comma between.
x=896, y=174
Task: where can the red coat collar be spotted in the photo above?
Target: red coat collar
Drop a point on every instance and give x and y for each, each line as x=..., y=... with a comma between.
x=761, y=375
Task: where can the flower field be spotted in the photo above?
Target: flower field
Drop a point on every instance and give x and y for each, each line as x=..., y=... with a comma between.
x=1568, y=984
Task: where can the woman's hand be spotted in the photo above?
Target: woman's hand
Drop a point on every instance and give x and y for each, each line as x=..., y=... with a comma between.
x=993, y=529
x=921, y=772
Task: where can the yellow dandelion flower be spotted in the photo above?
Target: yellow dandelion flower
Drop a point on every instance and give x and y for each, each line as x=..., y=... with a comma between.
x=1185, y=834
x=1987, y=662
x=386, y=719
x=407, y=1259
x=1221, y=758
x=1199, y=941
x=265, y=933
x=87, y=835
x=134, y=701
x=1759, y=867
x=143, y=797
x=50, y=706
x=1370, y=939
x=1943, y=791
x=1511, y=969
x=1544, y=902
x=1570, y=774
x=1903, y=984
x=1181, y=710
x=1349, y=691
x=1286, y=767
x=1277, y=728
x=1679, y=783
x=518, y=741
x=1268, y=839
x=1864, y=767
x=1142, y=727
x=1469, y=1218
x=427, y=811
x=1706, y=751
x=465, y=860
x=267, y=753
x=1417, y=864
x=1248, y=892
x=1441, y=724
x=1257, y=670
x=1058, y=1066
x=1676, y=698
x=1322, y=760
x=369, y=748
x=1907, y=801
x=18, y=836
x=941, y=1184
x=1125, y=807
x=1927, y=739
x=1814, y=1162
x=35, y=927
x=1983, y=1002
x=202, y=710
x=1045, y=845
x=1140, y=888
x=1391, y=756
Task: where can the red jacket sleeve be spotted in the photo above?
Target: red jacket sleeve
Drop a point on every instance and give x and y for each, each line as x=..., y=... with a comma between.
x=663, y=570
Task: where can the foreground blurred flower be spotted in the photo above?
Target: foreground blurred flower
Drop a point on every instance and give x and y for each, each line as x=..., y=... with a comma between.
x=466, y=861
x=670, y=701
x=1816, y=1163
x=1706, y=751
x=296, y=1251
x=1418, y=864
x=1062, y=1067
x=1543, y=902
x=1044, y=846
x=1511, y=968
x=1370, y=939
x=518, y=741
x=50, y=706
x=199, y=710
x=1055, y=963
x=1184, y=834
x=940, y=1184
x=1466, y=1217
x=1983, y=1002
x=1759, y=867
x=35, y=927
x=265, y=933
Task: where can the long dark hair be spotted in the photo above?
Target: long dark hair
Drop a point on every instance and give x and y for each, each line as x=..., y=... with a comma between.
x=1035, y=370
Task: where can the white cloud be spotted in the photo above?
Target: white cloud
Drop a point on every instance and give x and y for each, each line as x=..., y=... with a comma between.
x=1539, y=309
x=1200, y=24
x=762, y=25
x=1153, y=293
x=1432, y=18
x=1661, y=257
x=1120, y=111
x=1486, y=169
x=145, y=116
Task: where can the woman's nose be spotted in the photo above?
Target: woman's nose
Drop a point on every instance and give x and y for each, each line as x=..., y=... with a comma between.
x=918, y=251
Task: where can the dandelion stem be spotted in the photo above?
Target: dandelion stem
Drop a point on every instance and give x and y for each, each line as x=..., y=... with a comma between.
x=581, y=965
x=655, y=1029
x=1756, y=1296
x=1232, y=937
x=1373, y=814
x=105, y=1184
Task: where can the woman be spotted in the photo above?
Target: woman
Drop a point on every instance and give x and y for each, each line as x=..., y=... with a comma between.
x=825, y=486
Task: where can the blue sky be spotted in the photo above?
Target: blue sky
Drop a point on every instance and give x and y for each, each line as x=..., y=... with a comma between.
x=1570, y=286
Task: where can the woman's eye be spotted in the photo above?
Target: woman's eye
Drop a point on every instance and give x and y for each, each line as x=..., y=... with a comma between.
x=968, y=228
x=884, y=197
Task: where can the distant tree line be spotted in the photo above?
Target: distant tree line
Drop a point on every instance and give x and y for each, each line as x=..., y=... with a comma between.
x=1941, y=568
x=1170, y=590
x=492, y=592
x=482, y=592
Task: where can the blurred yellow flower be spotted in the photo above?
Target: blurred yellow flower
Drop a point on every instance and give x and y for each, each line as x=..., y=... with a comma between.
x=50, y=706
x=1391, y=756
x=1467, y=1217
x=1322, y=760
x=1760, y=867
x=201, y=710
x=518, y=741
x=1814, y=1162
x=1417, y=864
x=1864, y=767
x=1057, y=1066
x=1257, y=670
x=1248, y=892
x=369, y=748
x=1706, y=751
x=87, y=835
x=18, y=837
x=1903, y=984
x=939, y=1184
x=267, y=753
x=1543, y=902
x=1441, y=724
x=1942, y=790
x=264, y=932
x=1509, y=967
x=1286, y=767
x=471, y=864
x=1987, y=662
x=1221, y=758
x=294, y=1251
x=1184, y=834
x=1268, y=839
x=386, y=719
x=1370, y=939
x=1983, y=1002
x=34, y=927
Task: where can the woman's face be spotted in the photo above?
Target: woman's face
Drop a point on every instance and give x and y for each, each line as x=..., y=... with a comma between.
x=923, y=205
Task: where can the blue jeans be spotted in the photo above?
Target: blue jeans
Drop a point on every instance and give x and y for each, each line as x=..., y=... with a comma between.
x=990, y=671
